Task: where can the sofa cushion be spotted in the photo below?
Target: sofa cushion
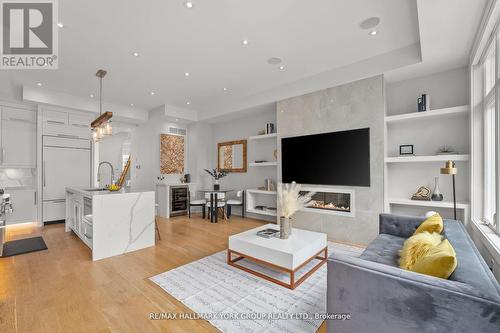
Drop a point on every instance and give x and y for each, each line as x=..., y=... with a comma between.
x=384, y=249
x=416, y=247
x=440, y=261
x=432, y=224
x=471, y=268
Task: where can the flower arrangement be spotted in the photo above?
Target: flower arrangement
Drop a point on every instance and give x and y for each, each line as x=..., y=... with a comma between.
x=290, y=200
x=216, y=173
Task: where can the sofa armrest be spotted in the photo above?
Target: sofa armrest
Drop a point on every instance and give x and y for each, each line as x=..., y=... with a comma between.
x=382, y=298
x=399, y=225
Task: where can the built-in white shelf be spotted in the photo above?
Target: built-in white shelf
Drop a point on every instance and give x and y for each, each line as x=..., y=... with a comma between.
x=263, y=136
x=263, y=164
x=453, y=111
x=262, y=192
x=260, y=211
x=421, y=203
x=432, y=158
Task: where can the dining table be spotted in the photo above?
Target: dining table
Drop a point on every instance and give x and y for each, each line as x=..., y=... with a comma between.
x=213, y=201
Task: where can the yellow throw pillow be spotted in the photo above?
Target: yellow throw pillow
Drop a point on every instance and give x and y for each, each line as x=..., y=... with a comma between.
x=416, y=247
x=439, y=261
x=432, y=224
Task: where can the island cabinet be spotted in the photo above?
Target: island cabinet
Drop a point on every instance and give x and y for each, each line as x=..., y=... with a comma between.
x=111, y=223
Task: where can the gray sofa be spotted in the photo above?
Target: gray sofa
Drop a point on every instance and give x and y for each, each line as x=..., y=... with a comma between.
x=381, y=297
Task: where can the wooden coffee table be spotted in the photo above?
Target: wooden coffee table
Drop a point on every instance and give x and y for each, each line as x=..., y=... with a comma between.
x=286, y=255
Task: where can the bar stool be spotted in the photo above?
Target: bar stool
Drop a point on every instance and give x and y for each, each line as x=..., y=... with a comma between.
x=156, y=222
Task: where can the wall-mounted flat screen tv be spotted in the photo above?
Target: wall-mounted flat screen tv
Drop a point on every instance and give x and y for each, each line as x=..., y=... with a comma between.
x=336, y=158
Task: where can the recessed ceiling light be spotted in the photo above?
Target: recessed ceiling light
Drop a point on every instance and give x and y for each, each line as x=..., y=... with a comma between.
x=225, y=89
x=187, y=103
x=91, y=95
x=282, y=111
x=244, y=42
x=39, y=84
x=132, y=104
x=60, y=25
x=188, y=4
x=135, y=54
x=186, y=74
x=152, y=93
x=176, y=119
x=373, y=32
x=282, y=67
x=370, y=23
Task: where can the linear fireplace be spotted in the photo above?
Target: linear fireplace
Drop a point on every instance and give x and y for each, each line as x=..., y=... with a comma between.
x=330, y=201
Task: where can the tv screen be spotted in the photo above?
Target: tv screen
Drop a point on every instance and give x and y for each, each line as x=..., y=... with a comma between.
x=336, y=158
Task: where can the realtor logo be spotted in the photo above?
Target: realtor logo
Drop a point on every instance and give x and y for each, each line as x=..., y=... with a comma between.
x=28, y=36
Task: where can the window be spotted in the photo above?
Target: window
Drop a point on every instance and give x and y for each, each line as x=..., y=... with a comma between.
x=486, y=90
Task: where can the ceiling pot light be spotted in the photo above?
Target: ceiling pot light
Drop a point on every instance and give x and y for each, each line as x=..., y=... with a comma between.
x=244, y=42
x=152, y=93
x=60, y=25
x=39, y=84
x=282, y=68
x=373, y=33
x=225, y=89
x=132, y=104
x=186, y=74
x=188, y=4
x=187, y=103
x=91, y=95
x=135, y=54
x=369, y=23
x=274, y=61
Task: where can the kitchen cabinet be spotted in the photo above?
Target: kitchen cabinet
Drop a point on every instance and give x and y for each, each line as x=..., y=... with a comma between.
x=57, y=174
x=24, y=204
x=66, y=124
x=18, y=138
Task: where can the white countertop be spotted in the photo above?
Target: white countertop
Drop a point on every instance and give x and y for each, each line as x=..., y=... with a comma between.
x=174, y=184
x=85, y=191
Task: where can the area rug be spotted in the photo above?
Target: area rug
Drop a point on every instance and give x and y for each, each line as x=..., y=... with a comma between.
x=235, y=301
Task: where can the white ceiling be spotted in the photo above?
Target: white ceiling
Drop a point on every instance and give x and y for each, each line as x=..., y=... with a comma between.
x=310, y=36
x=447, y=32
x=314, y=38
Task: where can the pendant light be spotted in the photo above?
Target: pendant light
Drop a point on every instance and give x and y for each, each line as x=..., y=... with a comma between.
x=101, y=126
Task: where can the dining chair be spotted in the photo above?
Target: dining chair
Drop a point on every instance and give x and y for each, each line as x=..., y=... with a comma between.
x=239, y=201
x=221, y=203
x=193, y=202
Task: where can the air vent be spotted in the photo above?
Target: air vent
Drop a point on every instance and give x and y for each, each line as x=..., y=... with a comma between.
x=177, y=131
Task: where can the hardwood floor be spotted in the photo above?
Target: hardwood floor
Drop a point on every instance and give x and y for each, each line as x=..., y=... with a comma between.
x=62, y=290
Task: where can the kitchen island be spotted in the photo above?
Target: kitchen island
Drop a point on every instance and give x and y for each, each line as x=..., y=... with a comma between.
x=111, y=223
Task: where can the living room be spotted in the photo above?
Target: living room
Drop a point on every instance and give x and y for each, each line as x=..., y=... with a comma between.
x=250, y=167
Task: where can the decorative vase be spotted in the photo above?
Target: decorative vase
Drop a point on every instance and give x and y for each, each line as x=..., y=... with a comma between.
x=285, y=227
x=216, y=185
x=436, y=195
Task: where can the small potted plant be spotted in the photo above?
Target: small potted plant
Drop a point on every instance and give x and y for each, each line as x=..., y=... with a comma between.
x=289, y=202
x=217, y=175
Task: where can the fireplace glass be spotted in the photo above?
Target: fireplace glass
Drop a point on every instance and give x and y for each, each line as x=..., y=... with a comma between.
x=330, y=201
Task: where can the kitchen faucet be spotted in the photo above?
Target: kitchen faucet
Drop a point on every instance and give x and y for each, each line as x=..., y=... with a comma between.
x=99, y=171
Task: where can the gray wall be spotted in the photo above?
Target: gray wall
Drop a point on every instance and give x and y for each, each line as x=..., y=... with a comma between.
x=354, y=105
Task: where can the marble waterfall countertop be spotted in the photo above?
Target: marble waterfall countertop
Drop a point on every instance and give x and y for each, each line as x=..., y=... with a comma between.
x=111, y=223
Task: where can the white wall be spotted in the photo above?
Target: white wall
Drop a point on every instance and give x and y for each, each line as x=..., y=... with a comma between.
x=446, y=89
x=145, y=152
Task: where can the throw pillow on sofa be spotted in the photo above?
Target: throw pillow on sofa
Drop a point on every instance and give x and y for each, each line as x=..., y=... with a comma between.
x=431, y=224
x=416, y=247
x=440, y=261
